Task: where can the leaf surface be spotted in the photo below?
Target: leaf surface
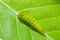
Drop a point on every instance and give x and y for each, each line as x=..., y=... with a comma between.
x=46, y=12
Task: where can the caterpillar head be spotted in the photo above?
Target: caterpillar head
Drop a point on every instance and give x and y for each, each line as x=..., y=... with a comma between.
x=24, y=15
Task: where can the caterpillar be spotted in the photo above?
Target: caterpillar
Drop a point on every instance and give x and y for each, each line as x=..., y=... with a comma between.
x=31, y=22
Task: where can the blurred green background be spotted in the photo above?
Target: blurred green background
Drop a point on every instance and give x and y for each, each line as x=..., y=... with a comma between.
x=47, y=12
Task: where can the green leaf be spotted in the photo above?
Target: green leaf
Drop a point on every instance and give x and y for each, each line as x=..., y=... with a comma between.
x=47, y=12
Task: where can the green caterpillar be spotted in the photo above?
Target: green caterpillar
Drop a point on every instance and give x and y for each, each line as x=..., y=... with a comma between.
x=30, y=21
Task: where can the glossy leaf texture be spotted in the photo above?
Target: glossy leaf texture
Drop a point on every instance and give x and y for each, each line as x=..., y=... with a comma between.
x=47, y=12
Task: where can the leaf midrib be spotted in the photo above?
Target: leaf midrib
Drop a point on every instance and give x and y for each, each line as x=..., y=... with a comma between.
x=16, y=18
x=30, y=32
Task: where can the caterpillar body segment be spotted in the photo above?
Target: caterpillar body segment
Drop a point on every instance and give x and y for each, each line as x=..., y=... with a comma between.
x=31, y=22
